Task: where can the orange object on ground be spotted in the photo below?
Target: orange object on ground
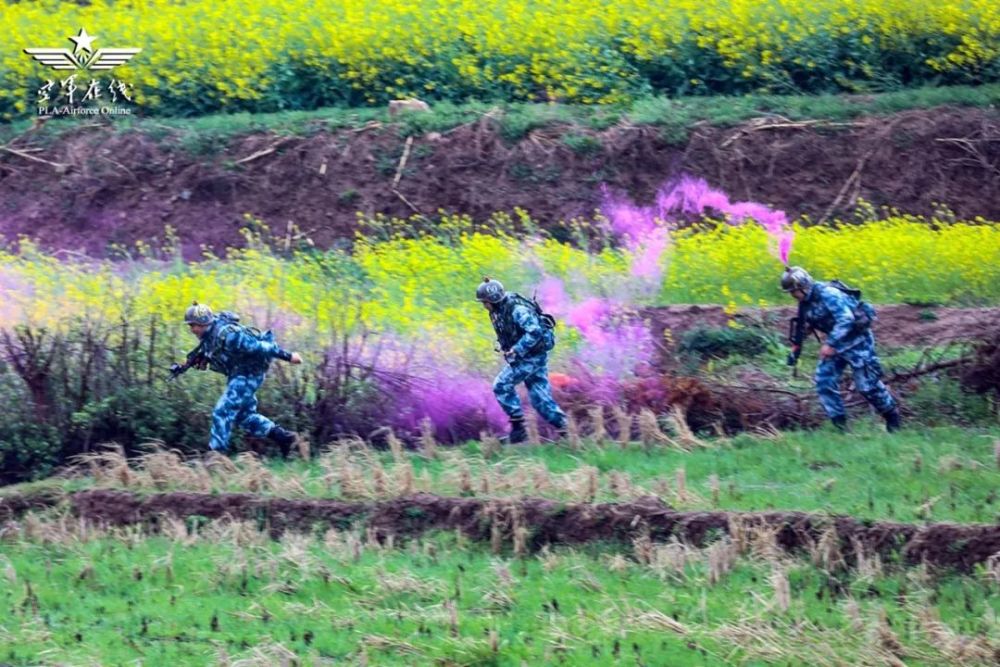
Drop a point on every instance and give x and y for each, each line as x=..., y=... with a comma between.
x=560, y=380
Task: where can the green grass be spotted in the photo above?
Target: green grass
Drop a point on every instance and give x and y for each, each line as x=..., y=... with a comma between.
x=868, y=474
x=674, y=116
x=205, y=593
x=193, y=598
x=920, y=474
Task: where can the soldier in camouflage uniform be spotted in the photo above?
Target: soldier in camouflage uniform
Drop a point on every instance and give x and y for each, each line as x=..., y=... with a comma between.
x=849, y=342
x=525, y=337
x=230, y=349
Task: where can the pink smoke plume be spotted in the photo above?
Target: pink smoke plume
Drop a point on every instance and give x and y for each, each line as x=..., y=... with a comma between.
x=425, y=383
x=616, y=343
x=586, y=316
x=645, y=229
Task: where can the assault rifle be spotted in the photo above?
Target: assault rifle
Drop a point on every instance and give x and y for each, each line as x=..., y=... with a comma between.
x=797, y=332
x=195, y=359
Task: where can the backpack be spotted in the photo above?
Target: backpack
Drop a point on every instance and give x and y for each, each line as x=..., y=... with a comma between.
x=231, y=323
x=548, y=321
x=232, y=319
x=864, y=312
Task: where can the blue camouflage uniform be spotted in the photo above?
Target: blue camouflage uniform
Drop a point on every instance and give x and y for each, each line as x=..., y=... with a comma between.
x=831, y=311
x=527, y=343
x=244, y=359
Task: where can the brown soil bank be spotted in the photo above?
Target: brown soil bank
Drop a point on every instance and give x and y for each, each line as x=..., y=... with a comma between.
x=899, y=325
x=546, y=521
x=95, y=187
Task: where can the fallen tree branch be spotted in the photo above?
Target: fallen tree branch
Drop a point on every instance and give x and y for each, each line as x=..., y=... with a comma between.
x=407, y=202
x=917, y=372
x=402, y=163
x=58, y=166
x=266, y=151
x=971, y=148
x=370, y=125
x=769, y=390
x=895, y=377
x=854, y=180
x=786, y=125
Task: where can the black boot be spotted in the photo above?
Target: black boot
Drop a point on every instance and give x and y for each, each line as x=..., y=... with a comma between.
x=518, y=433
x=840, y=423
x=284, y=438
x=892, y=421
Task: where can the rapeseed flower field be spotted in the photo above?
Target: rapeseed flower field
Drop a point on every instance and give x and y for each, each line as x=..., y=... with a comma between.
x=420, y=286
x=199, y=56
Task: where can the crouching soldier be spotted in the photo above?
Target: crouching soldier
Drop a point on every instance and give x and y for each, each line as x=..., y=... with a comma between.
x=525, y=337
x=837, y=311
x=243, y=356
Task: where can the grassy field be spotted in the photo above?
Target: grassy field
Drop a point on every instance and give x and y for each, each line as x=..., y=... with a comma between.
x=223, y=593
x=223, y=596
x=938, y=474
x=675, y=116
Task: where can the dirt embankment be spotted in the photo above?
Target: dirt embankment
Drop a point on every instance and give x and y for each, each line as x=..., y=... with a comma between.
x=95, y=187
x=546, y=521
x=899, y=325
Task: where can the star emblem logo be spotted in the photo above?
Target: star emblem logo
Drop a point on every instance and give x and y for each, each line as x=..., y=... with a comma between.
x=83, y=56
x=83, y=41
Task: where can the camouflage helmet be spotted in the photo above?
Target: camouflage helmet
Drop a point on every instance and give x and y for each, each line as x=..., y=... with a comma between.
x=490, y=291
x=198, y=314
x=796, y=278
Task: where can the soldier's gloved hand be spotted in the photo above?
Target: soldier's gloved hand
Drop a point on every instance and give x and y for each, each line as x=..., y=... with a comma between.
x=296, y=358
x=201, y=364
x=826, y=352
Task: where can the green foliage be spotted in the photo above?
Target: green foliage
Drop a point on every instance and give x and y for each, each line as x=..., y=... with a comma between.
x=944, y=401
x=348, y=196
x=719, y=343
x=28, y=449
x=583, y=144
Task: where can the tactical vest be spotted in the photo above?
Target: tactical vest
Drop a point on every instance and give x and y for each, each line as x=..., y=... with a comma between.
x=822, y=320
x=219, y=360
x=509, y=332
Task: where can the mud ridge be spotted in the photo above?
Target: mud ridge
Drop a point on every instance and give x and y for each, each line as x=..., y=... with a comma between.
x=120, y=187
x=898, y=325
x=547, y=521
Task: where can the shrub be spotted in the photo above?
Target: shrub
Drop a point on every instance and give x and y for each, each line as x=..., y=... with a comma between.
x=719, y=343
